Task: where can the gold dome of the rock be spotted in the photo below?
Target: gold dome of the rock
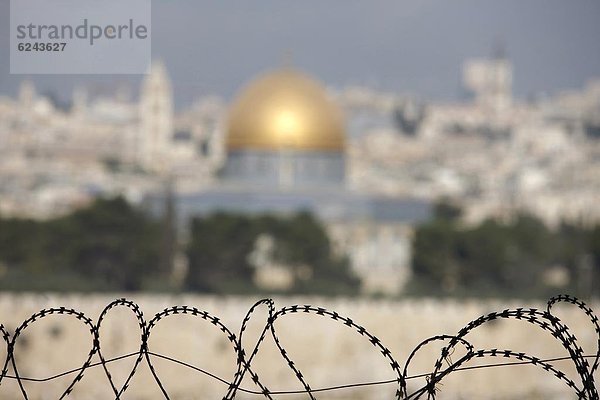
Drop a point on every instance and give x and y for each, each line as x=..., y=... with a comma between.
x=284, y=109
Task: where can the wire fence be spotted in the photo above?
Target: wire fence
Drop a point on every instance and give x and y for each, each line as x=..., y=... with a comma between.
x=582, y=384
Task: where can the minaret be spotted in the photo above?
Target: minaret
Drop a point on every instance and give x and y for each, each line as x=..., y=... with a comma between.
x=156, y=120
x=501, y=82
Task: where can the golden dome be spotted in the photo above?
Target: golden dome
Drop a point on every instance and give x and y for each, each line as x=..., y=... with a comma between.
x=284, y=109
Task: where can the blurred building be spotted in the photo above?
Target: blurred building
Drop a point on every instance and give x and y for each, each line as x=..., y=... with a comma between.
x=285, y=148
x=156, y=121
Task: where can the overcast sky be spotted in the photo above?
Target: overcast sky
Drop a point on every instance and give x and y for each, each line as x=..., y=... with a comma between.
x=418, y=47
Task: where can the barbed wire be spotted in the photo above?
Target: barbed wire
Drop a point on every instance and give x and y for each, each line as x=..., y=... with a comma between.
x=583, y=386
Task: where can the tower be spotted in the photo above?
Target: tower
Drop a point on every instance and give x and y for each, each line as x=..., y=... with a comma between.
x=490, y=80
x=156, y=120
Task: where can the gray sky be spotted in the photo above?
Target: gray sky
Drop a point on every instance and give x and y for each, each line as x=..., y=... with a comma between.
x=213, y=47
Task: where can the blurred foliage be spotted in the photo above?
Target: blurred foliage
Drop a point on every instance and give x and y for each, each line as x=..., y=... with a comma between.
x=221, y=244
x=107, y=246
x=112, y=246
x=512, y=257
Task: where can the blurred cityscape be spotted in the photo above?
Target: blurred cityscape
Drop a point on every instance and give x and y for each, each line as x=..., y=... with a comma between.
x=410, y=214
x=370, y=165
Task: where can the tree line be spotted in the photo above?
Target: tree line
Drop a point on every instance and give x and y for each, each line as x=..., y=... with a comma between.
x=113, y=246
x=516, y=256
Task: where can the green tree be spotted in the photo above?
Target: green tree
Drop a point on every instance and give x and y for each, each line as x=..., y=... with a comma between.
x=447, y=211
x=220, y=246
x=118, y=244
x=218, y=251
x=496, y=257
x=107, y=246
x=303, y=243
x=434, y=257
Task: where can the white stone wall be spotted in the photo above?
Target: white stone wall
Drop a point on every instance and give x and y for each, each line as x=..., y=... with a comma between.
x=327, y=353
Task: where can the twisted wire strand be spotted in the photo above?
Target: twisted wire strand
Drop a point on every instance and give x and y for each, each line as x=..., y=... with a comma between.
x=546, y=321
x=279, y=392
